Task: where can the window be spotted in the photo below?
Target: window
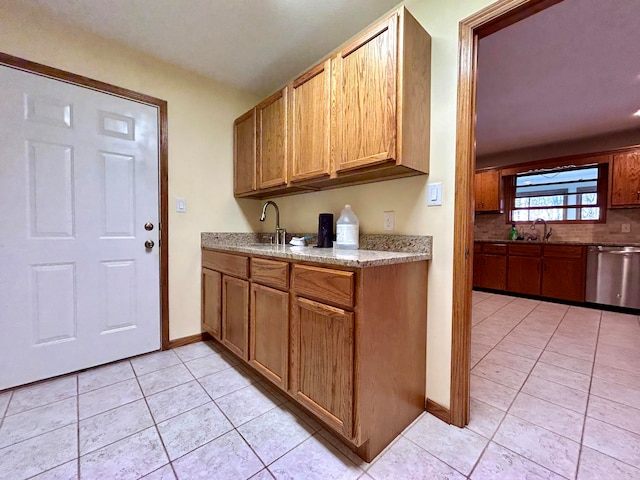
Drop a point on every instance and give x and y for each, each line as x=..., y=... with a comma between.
x=565, y=195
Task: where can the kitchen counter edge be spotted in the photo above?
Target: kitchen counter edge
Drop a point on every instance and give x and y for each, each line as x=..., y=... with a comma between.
x=561, y=242
x=328, y=256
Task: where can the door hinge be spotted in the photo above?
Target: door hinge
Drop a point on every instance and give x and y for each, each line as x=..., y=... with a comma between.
x=466, y=252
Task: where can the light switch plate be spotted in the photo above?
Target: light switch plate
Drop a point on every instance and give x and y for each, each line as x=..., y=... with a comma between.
x=181, y=205
x=626, y=228
x=435, y=194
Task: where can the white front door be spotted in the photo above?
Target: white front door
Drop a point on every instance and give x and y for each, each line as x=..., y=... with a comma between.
x=78, y=183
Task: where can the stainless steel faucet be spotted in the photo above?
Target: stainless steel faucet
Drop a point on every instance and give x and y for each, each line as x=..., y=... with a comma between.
x=546, y=234
x=281, y=233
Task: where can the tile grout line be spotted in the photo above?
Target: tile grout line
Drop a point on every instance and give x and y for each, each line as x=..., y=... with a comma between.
x=280, y=405
x=155, y=425
x=78, y=422
x=6, y=409
x=233, y=427
x=586, y=409
x=507, y=412
x=506, y=335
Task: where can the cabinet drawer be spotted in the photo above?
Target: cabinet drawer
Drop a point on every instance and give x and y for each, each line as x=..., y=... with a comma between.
x=525, y=250
x=477, y=247
x=564, y=251
x=270, y=272
x=235, y=265
x=495, y=248
x=332, y=286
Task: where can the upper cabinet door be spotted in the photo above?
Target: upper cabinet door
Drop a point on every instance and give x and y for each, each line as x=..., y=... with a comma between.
x=625, y=179
x=244, y=144
x=309, y=120
x=365, y=90
x=487, y=191
x=272, y=144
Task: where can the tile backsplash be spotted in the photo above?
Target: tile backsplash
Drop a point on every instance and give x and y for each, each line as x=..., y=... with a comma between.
x=493, y=227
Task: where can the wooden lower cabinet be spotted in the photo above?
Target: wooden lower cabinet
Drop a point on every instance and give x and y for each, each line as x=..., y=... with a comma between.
x=322, y=346
x=547, y=270
x=563, y=272
x=235, y=315
x=212, y=302
x=490, y=266
x=346, y=344
x=523, y=275
x=269, y=333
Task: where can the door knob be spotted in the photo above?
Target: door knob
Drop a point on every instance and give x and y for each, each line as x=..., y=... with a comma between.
x=148, y=226
x=149, y=244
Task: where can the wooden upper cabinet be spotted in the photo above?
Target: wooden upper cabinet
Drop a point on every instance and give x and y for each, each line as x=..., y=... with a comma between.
x=361, y=115
x=271, y=141
x=365, y=75
x=309, y=121
x=244, y=157
x=382, y=89
x=625, y=179
x=487, y=191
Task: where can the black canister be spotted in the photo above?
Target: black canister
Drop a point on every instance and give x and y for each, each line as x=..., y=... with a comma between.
x=325, y=230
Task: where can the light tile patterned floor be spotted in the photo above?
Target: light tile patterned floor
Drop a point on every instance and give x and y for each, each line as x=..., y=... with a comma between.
x=555, y=394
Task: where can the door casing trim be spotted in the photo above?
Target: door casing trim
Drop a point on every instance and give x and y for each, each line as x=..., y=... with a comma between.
x=163, y=160
x=488, y=20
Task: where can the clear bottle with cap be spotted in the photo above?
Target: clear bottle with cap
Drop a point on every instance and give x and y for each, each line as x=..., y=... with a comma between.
x=347, y=230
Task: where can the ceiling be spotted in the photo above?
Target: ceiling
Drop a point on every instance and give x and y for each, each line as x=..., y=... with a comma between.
x=569, y=72
x=255, y=45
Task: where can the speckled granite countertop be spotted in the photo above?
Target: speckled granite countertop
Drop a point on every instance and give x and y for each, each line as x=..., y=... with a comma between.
x=564, y=242
x=389, y=249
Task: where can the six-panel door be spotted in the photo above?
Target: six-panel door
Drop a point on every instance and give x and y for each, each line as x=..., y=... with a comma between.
x=322, y=347
x=269, y=333
x=78, y=184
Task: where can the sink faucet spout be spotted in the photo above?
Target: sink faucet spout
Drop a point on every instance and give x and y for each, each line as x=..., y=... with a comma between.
x=280, y=232
x=546, y=234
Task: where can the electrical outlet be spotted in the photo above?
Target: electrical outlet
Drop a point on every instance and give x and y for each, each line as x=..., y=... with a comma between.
x=389, y=221
x=626, y=228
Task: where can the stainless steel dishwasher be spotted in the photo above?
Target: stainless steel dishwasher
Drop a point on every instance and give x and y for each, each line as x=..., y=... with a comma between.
x=613, y=276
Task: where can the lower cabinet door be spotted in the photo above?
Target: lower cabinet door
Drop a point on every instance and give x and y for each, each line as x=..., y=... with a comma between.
x=494, y=272
x=322, y=347
x=523, y=275
x=269, y=333
x=211, y=301
x=563, y=278
x=235, y=315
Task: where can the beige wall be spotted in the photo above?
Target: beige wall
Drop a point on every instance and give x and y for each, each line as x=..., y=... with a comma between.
x=200, y=142
x=201, y=114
